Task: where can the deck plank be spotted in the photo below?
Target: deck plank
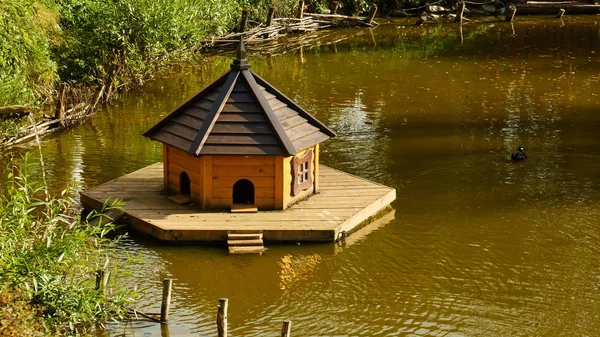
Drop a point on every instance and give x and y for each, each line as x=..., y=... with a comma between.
x=343, y=204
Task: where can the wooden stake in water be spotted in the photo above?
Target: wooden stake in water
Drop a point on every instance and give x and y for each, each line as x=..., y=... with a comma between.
x=286, y=329
x=243, y=21
x=270, y=14
x=222, y=318
x=166, y=300
x=371, y=15
x=300, y=9
x=164, y=330
x=335, y=5
x=460, y=10
x=512, y=10
x=59, y=112
x=101, y=280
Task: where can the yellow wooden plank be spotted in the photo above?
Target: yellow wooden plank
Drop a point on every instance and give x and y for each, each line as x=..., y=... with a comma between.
x=257, y=181
x=317, y=179
x=165, y=167
x=243, y=208
x=244, y=160
x=278, y=181
x=207, y=193
x=243, y=171
x=259, y=193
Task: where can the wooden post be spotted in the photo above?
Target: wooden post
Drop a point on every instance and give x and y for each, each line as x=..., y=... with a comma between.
x=270, y=16
x=560, y=14
x=371, y=15
x=460, y=11
x=166, y=300
x=222, y=318
x=59, y=113
x=164, y=330
x=243, y=21
x=512, y=10
x=286, y=329
x=334, y=7
x=300, y=9
x=101, y=280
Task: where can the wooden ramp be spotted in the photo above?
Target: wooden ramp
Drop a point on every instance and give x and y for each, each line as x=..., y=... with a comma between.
x=343, y=203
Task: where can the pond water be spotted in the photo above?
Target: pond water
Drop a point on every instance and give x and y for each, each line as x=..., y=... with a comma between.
x=476, y=246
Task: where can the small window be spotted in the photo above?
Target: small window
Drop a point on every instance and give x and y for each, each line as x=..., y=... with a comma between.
x=302, y=173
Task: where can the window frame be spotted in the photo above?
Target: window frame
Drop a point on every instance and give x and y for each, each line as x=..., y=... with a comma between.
x=302, y=177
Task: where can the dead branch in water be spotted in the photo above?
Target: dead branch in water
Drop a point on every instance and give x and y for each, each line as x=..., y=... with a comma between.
x=280, y=27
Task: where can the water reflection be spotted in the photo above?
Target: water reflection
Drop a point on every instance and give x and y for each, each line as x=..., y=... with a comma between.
x=479, y=245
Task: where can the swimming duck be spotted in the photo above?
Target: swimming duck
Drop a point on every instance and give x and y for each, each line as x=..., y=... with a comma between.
x=519, y=155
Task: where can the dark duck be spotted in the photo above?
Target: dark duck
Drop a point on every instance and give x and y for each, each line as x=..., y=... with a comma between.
x=519, y=155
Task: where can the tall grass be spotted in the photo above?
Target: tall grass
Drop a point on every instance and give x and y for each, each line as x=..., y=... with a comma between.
x=48, y=259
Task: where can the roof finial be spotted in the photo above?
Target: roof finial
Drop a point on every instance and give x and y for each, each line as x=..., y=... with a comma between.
x=240, y=62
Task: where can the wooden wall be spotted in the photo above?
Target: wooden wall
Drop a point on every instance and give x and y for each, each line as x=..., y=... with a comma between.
x=212, y=178
x=260, y=170
x=178, y=161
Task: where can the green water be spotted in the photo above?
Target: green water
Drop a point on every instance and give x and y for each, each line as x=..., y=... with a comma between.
x=477, y=246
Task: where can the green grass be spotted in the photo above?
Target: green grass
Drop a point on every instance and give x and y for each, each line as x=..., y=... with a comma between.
x=48, y=260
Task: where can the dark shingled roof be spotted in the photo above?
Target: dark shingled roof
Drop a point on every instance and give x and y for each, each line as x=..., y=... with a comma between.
x=240, y=114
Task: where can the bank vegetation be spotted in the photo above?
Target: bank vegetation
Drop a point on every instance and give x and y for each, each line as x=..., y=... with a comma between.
x=49, y=259
x=60, y=58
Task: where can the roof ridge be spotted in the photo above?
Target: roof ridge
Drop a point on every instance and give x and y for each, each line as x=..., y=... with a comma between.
x=282, y=135
x=290, y=103
x=214, y=113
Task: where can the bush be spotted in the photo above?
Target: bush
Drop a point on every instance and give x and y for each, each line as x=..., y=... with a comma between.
x=26, y=67
x=49, y=257
x=104, y=39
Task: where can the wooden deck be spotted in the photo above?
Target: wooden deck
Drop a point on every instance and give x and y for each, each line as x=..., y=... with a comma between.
x=343, y=204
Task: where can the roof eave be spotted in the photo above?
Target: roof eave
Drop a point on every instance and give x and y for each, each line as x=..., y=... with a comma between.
x=192, y=99
x=280, y=96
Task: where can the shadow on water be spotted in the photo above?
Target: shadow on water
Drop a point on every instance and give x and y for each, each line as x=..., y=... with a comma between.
x=478, y=245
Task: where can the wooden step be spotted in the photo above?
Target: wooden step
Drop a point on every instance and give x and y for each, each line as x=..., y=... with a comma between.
x=180, y=199
x=243, y=208
x=245, y=242
x=236, y=243
x=247, y=250
x=244, y=236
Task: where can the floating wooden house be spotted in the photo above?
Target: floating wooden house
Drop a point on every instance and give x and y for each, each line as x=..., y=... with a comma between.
x=241, y=144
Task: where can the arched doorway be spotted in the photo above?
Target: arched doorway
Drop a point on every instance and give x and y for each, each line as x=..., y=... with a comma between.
x=243, y=192
x=184, y=184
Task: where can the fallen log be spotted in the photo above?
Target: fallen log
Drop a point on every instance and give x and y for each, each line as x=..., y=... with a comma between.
x=17, y=110
x=554, y=7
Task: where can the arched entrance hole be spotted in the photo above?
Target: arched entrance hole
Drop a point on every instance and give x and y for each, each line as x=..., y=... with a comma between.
x=243, y=192
x=184, y=184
